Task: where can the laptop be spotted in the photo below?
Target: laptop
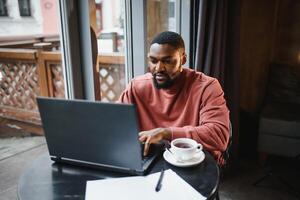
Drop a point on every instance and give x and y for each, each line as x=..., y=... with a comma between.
x=93, y=134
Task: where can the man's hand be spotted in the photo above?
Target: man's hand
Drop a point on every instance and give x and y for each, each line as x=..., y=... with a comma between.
x=154, y=136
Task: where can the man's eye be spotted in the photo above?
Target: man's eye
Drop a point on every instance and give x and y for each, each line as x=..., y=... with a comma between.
x=167, y=61
x=153, y=61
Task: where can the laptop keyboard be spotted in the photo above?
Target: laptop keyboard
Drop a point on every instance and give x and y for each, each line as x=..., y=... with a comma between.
x=145, y=159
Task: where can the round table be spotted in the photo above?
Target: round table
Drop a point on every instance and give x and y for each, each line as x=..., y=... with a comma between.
x=45, y=179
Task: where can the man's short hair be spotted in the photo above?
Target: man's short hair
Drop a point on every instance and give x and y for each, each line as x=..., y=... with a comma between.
x=169, y=37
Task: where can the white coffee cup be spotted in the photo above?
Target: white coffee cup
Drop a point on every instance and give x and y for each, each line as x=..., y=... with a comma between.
x=184, y=148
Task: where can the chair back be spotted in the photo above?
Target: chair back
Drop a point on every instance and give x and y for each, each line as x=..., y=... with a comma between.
x=283, y=83
x=226, y=153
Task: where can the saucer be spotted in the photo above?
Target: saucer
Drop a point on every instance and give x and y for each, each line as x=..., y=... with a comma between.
x=197, y=158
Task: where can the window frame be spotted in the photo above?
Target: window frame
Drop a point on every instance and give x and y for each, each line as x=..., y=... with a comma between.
x=136, y=30
x=184, y=20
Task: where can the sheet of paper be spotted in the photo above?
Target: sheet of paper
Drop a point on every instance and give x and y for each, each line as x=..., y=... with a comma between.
x=142, y=187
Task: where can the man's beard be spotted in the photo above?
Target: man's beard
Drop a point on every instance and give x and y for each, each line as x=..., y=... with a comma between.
x=168, y=83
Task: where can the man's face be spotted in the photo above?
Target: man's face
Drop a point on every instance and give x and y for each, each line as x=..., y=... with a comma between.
x=165, y=64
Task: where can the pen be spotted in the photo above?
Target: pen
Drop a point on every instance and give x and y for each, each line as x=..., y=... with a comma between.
x=158, y=185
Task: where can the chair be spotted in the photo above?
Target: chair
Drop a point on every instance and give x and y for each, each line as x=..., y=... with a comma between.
x=225, y=155
x=279, y=121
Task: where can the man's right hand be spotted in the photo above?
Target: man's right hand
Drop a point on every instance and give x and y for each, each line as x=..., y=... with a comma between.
x=154, y=136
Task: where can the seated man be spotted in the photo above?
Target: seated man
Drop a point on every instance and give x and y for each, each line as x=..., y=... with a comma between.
x=174, y=102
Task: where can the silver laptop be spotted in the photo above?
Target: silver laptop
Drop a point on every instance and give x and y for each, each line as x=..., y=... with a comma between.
x=93, y=134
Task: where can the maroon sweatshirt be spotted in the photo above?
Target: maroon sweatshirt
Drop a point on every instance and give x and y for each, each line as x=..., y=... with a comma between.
x=193, y=107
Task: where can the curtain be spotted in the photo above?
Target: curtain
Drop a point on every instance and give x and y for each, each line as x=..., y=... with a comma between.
x=210, y=37
x=215, y=49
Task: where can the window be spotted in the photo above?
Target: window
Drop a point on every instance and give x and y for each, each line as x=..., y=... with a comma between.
x=169, y=15
x=123, y=30
x=99, y=17
x=160, y=17
x=171, y=9
x=41, y=72
x=3, y=8
x=24, y=7
x=110, y=20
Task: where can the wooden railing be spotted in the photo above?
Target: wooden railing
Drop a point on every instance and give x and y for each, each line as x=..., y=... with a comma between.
x=26, y=74
x=111, y=70
x=28, y=42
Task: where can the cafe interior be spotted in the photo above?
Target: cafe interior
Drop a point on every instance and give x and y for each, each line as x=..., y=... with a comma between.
x=90, y=50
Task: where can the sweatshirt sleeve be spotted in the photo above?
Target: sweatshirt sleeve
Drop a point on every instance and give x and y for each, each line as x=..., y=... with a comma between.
x=127, y=95
x=213, y=129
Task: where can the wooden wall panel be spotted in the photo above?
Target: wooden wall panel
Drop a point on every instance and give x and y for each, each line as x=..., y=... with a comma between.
x=257, y=24
x=270, y=32
x=287, y=43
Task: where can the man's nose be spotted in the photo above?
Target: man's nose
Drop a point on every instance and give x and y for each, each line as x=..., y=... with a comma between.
x=159, y=66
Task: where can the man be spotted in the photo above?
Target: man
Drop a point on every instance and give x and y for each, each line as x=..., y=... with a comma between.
x=174, y=102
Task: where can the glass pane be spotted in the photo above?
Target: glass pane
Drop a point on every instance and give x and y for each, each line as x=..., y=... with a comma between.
x=110, y=20
x=30, y=59
x=160, y=17
x=3, y=9
x=24, y=7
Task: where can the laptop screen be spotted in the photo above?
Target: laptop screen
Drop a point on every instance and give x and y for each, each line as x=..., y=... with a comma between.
x=97, y=132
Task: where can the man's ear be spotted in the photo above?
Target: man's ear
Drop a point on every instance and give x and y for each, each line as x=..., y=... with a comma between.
x=183, y=58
